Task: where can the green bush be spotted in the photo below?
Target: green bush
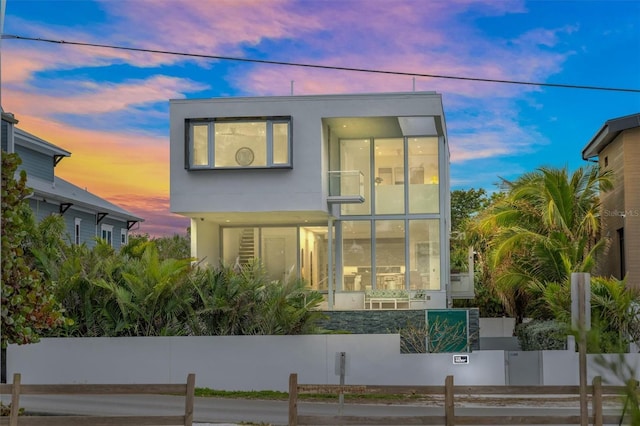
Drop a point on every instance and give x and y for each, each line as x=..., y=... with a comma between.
x=542, y=335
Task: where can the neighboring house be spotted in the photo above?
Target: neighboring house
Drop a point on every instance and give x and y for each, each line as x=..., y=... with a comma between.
x=617, y=148
x=86, y=215
x=355, y=184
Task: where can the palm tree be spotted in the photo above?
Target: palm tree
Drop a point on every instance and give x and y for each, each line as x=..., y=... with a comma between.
x=546, y=227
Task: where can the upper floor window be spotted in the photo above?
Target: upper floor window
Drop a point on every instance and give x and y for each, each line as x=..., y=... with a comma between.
x=124, y=236
x=239, y=143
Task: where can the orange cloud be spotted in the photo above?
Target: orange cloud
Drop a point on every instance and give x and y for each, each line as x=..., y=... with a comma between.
x=107, y=163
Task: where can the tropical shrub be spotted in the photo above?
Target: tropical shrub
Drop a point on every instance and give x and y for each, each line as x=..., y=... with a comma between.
x=28, y=306
x=246, y=302
x=542, y=335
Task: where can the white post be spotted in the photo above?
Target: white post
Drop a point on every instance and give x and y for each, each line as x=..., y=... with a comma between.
x=330, y=261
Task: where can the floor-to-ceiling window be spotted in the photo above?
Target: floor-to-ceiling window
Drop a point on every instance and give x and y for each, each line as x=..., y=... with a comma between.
x=423, y=175
x=286, y=252
x=356, y=255
x=394, y=242
x=389, y=176
x=424, y=254
x=278, y=252
x=390, y=258
x=355, y=155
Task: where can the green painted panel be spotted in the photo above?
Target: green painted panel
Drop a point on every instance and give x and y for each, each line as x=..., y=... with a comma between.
x=448, y=330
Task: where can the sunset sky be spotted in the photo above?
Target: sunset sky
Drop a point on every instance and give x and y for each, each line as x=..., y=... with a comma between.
x=110, y=107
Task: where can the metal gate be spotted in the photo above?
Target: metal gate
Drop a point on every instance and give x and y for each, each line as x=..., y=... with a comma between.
x=523, y=367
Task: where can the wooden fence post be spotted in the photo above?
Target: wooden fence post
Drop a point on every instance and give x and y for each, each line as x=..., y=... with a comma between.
x=188, y=400
x=15, y=400
x=596, y=401
x=449, y=408
x=293, y=399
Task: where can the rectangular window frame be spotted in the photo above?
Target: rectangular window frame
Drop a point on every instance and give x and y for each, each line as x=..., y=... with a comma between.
x=76, y=230
x=210, y=122
x=106, y=232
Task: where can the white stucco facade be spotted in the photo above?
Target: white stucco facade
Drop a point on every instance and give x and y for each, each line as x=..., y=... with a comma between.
x=285, y=204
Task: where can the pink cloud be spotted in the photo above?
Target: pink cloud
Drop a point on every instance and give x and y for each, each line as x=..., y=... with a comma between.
x=86, y=97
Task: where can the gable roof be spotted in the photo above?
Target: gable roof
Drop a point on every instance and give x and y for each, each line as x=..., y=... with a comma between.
x=608, y=132
x=35, y=143
x=65, y=192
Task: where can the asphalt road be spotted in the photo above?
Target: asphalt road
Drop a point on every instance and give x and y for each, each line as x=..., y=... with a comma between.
x=222, y=410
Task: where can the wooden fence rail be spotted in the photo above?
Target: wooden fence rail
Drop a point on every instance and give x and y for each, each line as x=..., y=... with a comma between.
x=449, y=391
x=16, y=389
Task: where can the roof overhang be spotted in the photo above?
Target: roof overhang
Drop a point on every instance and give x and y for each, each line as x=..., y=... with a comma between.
x=30, y=141
x=608, y=132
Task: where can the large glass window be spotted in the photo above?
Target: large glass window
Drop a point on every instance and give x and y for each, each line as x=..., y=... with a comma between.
x=283, y=254
x=281, y=143
x=260, y=143
x=423, y=175
x=278, y=252
x=390, y=176
x=424, y=254
x=200, y=151
x=356, y=255
x=355, y=156
x=390, y=255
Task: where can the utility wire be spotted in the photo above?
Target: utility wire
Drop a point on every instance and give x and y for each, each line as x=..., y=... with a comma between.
x=325, y=67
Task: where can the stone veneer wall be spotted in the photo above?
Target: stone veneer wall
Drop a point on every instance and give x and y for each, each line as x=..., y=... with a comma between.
x=389, y=321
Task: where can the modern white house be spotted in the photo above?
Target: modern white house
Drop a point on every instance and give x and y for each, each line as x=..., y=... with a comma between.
x=349, y=192
x=86, y=215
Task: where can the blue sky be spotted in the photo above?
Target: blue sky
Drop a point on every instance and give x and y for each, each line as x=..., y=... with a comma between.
x=110, y=107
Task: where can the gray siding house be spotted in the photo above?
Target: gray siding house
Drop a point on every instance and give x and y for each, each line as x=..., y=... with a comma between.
x=86, y=215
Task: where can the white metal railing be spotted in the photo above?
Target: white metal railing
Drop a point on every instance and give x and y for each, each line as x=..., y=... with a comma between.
x=346, y=186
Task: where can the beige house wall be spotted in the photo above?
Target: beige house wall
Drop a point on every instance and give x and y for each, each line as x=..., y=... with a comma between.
x=631, y=142
x=621, y=207
x=612, y=204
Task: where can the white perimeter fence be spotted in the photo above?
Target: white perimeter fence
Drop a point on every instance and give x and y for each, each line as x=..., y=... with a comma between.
x=264, y=362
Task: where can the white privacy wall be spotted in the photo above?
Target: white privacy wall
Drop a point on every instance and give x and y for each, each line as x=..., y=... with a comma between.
x=265, y=362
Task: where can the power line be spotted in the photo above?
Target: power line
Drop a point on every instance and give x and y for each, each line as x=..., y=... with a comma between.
x=325, y=67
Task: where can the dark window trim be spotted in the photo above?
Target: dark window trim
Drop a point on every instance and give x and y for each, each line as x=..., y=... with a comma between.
x=189, y=122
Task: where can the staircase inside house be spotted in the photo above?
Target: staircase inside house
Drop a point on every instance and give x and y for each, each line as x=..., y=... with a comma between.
x=247, y=246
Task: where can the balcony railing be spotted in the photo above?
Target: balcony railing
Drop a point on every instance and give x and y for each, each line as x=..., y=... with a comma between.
x=346, y=186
